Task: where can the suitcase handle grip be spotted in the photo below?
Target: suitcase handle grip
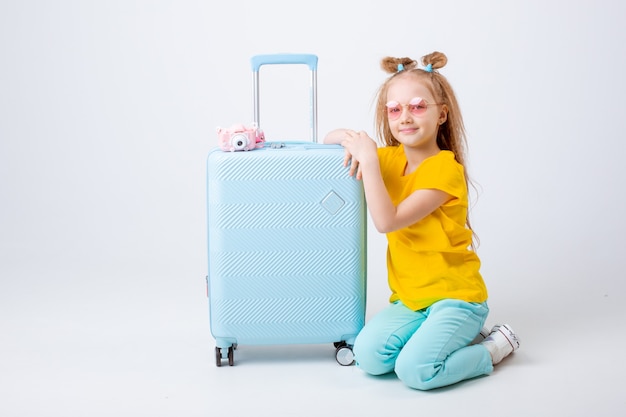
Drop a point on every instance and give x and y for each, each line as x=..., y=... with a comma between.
x=307, y=59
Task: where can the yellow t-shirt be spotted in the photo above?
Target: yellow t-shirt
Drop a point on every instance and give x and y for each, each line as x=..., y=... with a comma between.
x=431, y=260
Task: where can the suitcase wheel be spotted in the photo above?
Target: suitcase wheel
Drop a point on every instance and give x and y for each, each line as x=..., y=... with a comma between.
x=344, y=354
x=231, y=356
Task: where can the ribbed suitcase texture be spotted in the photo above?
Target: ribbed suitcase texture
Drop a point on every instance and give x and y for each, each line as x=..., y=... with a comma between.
x=286, y=246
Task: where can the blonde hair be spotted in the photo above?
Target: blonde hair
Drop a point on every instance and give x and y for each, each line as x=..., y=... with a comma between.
x=451, y=134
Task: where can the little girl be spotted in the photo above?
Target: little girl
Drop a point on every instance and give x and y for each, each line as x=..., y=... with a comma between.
x=417, y=193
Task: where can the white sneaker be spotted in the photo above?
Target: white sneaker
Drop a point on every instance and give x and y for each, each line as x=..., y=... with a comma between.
x=501, y=342
x=484, y=332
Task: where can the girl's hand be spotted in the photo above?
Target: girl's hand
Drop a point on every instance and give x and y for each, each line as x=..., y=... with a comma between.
x=360, y=149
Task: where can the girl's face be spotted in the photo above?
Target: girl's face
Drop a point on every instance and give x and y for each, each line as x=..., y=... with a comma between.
x=413, y=113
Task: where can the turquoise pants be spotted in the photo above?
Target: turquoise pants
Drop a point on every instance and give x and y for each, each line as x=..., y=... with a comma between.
x=428, y=348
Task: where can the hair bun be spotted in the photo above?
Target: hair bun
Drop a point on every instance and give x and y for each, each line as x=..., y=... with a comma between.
x=390, y=64
x=435, y=59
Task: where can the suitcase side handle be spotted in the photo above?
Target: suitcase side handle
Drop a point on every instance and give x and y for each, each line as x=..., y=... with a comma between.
x=280, y=59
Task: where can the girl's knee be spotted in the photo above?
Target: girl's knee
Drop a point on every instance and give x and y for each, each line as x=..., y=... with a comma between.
x=372, y=359
x=417, y=375
x=416, y=381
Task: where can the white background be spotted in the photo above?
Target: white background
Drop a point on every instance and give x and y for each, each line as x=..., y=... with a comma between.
x=109, y=108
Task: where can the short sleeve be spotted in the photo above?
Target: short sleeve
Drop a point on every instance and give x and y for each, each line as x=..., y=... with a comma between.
x=441, y=172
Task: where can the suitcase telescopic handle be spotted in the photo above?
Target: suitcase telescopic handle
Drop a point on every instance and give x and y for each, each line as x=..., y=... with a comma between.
x=280, y=59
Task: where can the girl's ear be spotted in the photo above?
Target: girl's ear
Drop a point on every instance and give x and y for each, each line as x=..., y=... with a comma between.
x=443, y=116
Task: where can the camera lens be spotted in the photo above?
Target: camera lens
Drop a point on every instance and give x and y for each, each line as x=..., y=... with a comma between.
x=239, y=141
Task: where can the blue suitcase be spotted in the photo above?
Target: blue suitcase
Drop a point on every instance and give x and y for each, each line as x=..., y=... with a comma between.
x=286, y=241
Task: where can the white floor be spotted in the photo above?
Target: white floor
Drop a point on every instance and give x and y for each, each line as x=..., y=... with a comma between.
x=89, y=343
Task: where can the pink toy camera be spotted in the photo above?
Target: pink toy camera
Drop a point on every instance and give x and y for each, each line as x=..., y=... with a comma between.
x=240, y=138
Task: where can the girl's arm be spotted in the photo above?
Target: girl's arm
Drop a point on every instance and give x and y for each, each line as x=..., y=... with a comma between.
x=386, y=216
x=334, y=137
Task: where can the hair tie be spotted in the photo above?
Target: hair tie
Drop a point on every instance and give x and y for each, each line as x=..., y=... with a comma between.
x=400, y=67
x=428, y=68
